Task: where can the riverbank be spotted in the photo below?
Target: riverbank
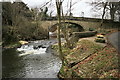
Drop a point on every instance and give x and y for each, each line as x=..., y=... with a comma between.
x=34, y=63
x=11, y=45
x=89, y=60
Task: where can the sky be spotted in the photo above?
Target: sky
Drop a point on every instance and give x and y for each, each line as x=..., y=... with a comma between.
x=81, y=8
x=77, y=9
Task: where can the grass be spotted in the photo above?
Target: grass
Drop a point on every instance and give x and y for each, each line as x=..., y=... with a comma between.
x=90, y=60
x=83, y=50
x=103, y=62
x=12, y=45
x=64, y=49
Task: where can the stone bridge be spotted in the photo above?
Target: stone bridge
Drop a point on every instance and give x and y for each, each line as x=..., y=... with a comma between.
x=86, y=23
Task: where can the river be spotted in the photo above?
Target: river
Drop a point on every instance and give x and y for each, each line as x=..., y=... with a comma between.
x=34, y=60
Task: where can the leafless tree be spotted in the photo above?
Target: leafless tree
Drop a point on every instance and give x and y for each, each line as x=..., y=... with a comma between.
x=58, y=6
x=112, y=7
x=103, y=13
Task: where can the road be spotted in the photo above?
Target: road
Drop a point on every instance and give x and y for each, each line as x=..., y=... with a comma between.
x=113, y=39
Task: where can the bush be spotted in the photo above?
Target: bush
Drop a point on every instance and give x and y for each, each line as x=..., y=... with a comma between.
x=103, y=31
x=101, y=40
x=85, y=34
x=91, y=29
x=8, y=35
x=24, y=30
x=31, y=30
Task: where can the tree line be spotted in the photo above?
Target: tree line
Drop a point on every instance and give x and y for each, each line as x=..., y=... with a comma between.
x=111, y=9
x=19, y=22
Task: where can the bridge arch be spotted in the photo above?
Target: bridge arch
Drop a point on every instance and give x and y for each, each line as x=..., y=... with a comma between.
x=74, y=25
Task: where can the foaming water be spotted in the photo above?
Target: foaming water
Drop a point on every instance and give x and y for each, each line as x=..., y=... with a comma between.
x=33, y=60
x=29, y=49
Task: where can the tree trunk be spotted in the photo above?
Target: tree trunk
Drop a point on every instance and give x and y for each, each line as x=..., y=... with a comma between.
x=65, y=31
x=103, y=14
x=119, y=18
x=58, y=6
x=112, y=12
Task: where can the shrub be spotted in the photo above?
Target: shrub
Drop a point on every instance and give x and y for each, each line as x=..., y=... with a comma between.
x=91, y=29
x=8, y=35
x=31, y=30
x=101, y=40
x=85, y=34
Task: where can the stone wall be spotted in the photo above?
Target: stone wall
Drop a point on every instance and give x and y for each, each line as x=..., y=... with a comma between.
x=85, y=24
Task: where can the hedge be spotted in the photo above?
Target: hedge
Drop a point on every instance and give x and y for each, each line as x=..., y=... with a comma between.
x=85, y=34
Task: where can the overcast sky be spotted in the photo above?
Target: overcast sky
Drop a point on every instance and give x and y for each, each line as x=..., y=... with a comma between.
x=77, y=9
x=79, y=6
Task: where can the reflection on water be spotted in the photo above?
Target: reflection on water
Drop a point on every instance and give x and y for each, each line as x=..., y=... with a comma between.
x=30, y=62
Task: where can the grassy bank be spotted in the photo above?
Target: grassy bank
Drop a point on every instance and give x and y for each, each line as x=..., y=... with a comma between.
x=89, y=60
x=11, y=45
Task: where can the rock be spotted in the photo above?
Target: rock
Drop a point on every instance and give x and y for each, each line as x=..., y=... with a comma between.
x=23, y=42
x=35, y=47
x=40, y=46
x=43, y=47
x=100, y=36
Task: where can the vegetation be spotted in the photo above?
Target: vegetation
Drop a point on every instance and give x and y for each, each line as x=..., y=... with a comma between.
x=101, y=40
x=85, y=34
x=112, y=7
x=21, y=23
x=89, y=60
x=80, y=58
x=58, y=6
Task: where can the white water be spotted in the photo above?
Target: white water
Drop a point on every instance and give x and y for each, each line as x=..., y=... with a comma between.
x=37, y=61
x=28, y=49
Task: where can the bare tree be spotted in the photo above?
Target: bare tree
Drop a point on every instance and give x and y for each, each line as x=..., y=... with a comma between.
x=58, y=6
x=112, y=7
x=65, y=31
x=70, y=8
x=103, y=13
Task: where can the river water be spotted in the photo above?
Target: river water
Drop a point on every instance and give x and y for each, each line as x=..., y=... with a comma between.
x=34, y=60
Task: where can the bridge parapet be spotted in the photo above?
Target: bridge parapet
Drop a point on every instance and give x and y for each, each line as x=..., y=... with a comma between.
x=78, y=19
x=86, y=23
